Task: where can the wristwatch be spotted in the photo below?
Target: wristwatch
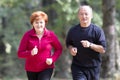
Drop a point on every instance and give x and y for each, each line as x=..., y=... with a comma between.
x=90, y=45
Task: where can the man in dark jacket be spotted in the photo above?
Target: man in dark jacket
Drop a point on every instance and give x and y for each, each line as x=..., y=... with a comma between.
x=86, y=42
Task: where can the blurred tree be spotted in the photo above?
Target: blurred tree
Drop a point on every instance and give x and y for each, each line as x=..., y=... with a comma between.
x=14, y=21
x=109, y=58
x=65, y=15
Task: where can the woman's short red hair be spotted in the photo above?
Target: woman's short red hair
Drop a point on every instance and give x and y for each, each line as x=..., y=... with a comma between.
x=39, y=15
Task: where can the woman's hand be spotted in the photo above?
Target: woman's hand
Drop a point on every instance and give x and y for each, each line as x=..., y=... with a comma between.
x=34, y=51
x=49, y=61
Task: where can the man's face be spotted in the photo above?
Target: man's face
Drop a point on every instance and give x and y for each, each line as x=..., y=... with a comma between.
x=85, y=15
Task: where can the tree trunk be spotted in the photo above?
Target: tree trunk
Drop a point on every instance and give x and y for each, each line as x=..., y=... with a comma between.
x=2, y=48
x=62, y=69
x=109, y=63
x=63, y=66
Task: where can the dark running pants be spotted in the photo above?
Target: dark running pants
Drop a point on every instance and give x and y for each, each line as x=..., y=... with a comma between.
x=79, y=73
x=43, y=75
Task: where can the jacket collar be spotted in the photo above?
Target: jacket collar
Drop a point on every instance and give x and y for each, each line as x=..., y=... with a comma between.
x=33, y=33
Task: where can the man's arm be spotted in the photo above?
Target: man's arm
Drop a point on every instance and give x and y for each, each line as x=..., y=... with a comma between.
x=97, y=48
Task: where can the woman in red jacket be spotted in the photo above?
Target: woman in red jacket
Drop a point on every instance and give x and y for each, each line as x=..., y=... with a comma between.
x=40, y=48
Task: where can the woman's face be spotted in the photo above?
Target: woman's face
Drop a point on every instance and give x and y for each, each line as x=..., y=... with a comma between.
x=39, y=26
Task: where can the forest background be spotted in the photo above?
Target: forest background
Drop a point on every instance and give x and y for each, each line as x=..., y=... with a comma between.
x=14, y=21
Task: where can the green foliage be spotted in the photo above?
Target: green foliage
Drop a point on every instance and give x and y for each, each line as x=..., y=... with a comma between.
x=16, y=23
x=66, y=15
x=97, y=19
x=17, y=13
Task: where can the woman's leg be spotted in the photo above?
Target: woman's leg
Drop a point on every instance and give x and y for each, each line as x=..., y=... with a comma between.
x=32, y=75
x=46, y=74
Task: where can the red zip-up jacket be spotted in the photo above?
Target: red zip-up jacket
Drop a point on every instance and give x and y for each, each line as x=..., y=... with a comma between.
x=48, y=47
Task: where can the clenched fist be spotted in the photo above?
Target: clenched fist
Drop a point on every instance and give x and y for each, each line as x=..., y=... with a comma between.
x=49, y=61
x=34, y=51
x=73, y=50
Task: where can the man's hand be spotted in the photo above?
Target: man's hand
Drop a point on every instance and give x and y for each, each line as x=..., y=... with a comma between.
x=73, y=50
x=85, y=43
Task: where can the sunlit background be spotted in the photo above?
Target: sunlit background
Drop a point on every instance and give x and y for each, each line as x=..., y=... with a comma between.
x=14, y=21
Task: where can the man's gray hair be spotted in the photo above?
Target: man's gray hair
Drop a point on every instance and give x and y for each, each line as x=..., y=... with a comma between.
x=81, y=6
